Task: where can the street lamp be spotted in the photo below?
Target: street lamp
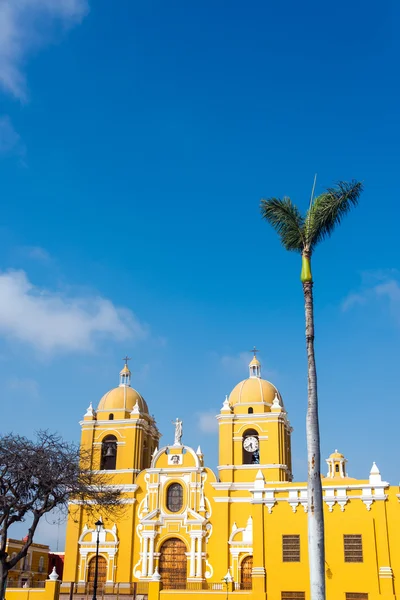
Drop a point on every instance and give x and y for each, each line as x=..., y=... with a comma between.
x=227, y=580
x=98, y=525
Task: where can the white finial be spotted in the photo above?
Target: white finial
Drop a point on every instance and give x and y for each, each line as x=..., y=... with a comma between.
x=199, y=452
x=135, y=410
x=276, y=402
x=89, y=411
x=228, y=577
x=375, y=474
x=156, y=575
x=225, y=405
x=155, y=452
x=259, y=481
x=53, y=575
x=234, y=527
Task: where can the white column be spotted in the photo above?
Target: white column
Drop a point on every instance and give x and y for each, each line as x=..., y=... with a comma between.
x=144, y=556
x=192, y=569
x=199, y=561
x=151, y=557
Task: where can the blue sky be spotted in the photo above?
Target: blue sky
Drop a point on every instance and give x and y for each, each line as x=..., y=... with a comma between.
x=136, y=142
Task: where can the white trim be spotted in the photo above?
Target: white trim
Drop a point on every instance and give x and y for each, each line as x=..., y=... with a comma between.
x=250, y=467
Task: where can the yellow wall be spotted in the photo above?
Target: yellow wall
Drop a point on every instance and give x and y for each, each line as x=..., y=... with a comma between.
x=242, y=512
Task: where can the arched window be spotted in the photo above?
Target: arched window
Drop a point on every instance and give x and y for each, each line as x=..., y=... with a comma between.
x=41, y=564
x=250, y=447
x=111, y=417
x=250, y=410
x=109, y=453
x=175, y=497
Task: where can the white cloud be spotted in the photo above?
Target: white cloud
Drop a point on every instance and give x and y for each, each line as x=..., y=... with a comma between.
x=36, y=253
x=236, y=364
x=28, y=387
x=377, y=285
x=53, y=321
x=25, y=26
x=10, y=140
x=207, y=422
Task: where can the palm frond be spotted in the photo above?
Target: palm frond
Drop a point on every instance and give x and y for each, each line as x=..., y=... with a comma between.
x=328, y=210
x=287, y=221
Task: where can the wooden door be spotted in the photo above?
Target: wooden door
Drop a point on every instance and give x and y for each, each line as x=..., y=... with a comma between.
x=245, y=577
x=173, y=564
x=101, y=573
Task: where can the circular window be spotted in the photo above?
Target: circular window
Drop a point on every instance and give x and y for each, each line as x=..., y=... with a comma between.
x=175, y=497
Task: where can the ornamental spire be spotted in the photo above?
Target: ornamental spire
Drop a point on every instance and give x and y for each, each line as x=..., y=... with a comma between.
x=125, y=374
x=255, y=365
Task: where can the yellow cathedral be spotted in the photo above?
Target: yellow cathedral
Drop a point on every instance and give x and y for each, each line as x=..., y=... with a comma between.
x=187, y=532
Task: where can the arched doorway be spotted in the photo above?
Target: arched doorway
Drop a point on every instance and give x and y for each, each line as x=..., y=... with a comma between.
x=101, y=573
x=173, y=564
x=245, y=573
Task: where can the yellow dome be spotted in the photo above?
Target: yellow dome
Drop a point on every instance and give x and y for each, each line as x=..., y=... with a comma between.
x=122, y=398
x=252, y=390
x=336, y=455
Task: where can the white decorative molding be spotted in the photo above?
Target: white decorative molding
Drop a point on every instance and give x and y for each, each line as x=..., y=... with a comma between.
x=385, y=573
x=293, y=499
x=269, y=500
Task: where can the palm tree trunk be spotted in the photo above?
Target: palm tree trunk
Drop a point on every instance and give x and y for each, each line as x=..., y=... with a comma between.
x=316, y=544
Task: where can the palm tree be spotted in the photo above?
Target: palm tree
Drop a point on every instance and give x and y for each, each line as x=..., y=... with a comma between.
x=302, y=234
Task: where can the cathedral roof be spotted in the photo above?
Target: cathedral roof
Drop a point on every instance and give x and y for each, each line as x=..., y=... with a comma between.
x=123, y=397
x=254, y=389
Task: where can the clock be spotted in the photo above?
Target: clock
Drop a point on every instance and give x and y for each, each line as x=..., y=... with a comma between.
x=250, y=444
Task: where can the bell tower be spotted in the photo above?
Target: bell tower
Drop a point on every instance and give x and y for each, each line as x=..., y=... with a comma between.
x=120, y=436
x=254, y=431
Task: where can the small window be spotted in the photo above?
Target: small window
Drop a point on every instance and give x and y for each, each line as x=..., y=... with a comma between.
x=111, y=417
x=293, y=596
x=175, y=497
x=250, y=410
x=356, y=596
x=41, y=564
x=337, y=468
x=353, y=548
x=291, y=548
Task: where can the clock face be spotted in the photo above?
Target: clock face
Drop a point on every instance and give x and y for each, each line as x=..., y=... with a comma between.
x=250, y=444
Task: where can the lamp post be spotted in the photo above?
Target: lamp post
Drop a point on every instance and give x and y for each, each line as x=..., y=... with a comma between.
x=98, y=525
x=227, y=580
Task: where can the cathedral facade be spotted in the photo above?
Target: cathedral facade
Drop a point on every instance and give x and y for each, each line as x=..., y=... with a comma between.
x=187, y=532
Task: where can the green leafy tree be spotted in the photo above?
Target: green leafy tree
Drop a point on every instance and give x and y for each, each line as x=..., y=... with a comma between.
x=302, y=233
